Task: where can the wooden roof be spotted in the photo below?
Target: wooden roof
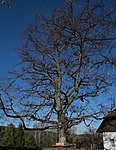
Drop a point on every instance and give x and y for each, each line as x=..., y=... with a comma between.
x=109, y=123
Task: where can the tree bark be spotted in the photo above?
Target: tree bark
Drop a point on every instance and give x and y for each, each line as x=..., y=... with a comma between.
x=62, y=128
x=62, y=137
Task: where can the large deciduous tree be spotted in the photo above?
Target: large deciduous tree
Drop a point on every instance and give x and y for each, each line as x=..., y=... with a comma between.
x=67, y=61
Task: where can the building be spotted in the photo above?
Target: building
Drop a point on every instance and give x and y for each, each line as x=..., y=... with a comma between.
x=108, y=129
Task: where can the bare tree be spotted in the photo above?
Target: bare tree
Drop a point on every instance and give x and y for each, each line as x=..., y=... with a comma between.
x=67, y=61
x=92, y=140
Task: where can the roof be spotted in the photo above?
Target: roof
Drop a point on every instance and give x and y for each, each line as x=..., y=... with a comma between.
x=109, y=123
x=111, y=114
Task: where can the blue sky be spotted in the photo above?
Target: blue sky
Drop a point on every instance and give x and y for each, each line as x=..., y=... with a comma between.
x=12, y=24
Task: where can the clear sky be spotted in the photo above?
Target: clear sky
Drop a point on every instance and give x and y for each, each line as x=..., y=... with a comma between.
x=12, y=24
x=14, y=21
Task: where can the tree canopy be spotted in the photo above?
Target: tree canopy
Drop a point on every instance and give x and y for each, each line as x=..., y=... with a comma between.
x=67, y=61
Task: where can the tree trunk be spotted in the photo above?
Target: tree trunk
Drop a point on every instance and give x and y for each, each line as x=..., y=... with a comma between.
x=62, y=137
x=62, y=129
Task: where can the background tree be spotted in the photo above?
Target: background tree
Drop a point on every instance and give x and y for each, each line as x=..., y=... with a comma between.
x=67, y=61
x=1, y=134
x=16, y=137
x=30, y=141
x=92, y=140
x=20, y=136
x=9, y=136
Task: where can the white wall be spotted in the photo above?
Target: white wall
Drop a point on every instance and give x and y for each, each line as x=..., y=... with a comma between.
x=109, y=139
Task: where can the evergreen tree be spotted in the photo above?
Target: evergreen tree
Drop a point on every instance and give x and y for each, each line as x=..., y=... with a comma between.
x=30, y=141
x=20, y=138
x=1, y=134
x=9, y=136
